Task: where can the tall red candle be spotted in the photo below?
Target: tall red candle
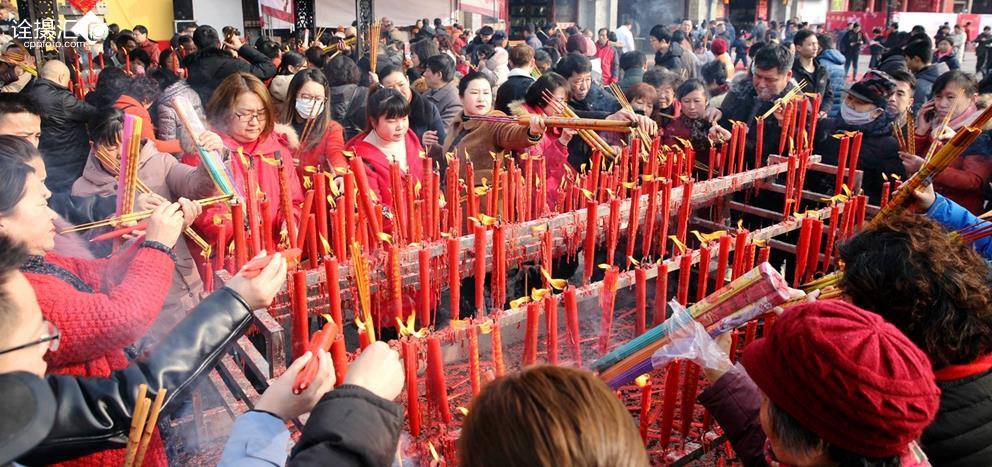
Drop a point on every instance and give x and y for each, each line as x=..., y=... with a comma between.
x=301, y=327
x=238, y=225
x=759, y=142
x=312, y=241
x=410, y=364
x=816, y=235
x=607, y=301
x=220, y=249
x=845, y=143
x=660, y=295
x=739, y=260
x=530, y=335
x=644, y=381
x=480, y=268
x=666, y=211
x=499, y=267
x=572, y=322
x=497, y=343
x=886, y=191
x=640, y=307
x=473, y=360
x=320, y=186
x=689, y=396
x=802, y=250
x=801, y=127
x=612, y=230
x=453, y=247
x=685, y=267
x=831, y=235
x=684, y=209
x=668, y=402
x=721, y=263
x=439, y=387
x=589, y=264
x=855, y=153
x=633, y=220
x=364, y=194
x=649, y=220
x=339, y=355
x=424, y=264
x=551, y=317
x=703, y=278
x=395, y=277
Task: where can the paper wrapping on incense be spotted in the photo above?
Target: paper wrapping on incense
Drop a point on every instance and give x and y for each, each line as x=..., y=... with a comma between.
x=210, y=160
x=634, y=358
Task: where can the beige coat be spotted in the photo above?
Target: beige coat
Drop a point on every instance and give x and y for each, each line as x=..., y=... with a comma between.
x=479, y=139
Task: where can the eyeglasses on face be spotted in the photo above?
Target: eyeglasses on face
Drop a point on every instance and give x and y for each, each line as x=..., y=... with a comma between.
x=52, y=338
x=247, y=117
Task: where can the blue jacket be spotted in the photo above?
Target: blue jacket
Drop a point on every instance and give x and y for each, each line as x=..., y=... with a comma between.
x=954, y=217
x=834, y=62
x=257, y=439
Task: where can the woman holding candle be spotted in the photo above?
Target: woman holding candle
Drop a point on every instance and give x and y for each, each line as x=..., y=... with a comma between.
x=965, y=180
x=308, y=111
x=479, y=138
x=548, y=416
x=934, y=289
x=242, y=113
x=692, y=125
x=100, y=306
x=169, y=180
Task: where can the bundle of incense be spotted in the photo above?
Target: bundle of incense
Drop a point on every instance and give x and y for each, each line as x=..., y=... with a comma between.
x=822, y=282
x=130, y=153
x=210, y=160
x=616, y=126
x=143, y=423
x=793, y=94
x=974, y=232
x=362, y=284
x=943, y=125
x=910, y=131
x=761, y=288
x=933, y=167
x=333, y=48
x=645, y=140
x=136, y=216
x=591, y=138
x=375, y=33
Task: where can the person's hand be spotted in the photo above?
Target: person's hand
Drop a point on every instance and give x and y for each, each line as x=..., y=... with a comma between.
x=643, y=122
x=373, y=78
x=719, y=134
x=148, y=201
x=378, y=370
x=191, y=210
x=279, y=399
x=235, y=42
x=165, y=224
x=925, y=120
x=780, y=113
x=925, y=197
x=210, y=141
x=537, y=127
x=259, y=291
x=566, y=135
x=429, y=139
x=911, y=162
x=688, y=340
x=945, y=133
x=713, y=114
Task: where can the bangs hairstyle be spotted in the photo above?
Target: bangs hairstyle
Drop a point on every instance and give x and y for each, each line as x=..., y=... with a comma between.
x=689, y=86
x=472, y=76
x=966, y=81
x=549, y=82
x=309, y=75
x=642, y=91
x=388, y=103
x=220, y=109
x=15, y=153
x=106, y=130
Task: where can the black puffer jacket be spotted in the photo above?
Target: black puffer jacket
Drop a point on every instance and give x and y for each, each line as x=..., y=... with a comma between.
x=742, y=104
x=879, y=153
x=961, y=435
x=94, y=414
x=671, y=60
x=818, y=81
x=350, y=426
x=64, y=143
x=208, y=67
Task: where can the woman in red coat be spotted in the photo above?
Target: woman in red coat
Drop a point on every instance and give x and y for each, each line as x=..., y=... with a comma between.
x=241, y=112
x=554, y=146
x=99, y=306
x=388, y=139
x=308, y=98
x=964, y=181
x=691, y=125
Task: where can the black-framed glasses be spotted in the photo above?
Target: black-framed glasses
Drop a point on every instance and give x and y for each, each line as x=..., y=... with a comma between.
x=52, y=338
x=247, y=117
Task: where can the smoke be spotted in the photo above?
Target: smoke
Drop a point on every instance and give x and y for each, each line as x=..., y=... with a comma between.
x=647, y=13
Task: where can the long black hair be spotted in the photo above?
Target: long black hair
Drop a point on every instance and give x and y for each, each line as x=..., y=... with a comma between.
x=320, y=120
x=15, y=154
x=549, y=82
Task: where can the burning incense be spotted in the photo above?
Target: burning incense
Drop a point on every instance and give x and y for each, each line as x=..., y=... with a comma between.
x=616, y=126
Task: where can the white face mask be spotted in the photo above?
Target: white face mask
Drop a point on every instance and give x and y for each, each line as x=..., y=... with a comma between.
x=853, y=117
x=307, y=108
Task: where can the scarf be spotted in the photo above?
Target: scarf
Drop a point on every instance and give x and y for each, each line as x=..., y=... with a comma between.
x=699, y=130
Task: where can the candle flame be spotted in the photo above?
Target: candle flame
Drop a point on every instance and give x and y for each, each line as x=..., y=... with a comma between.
x=520, y=301
x=643, y=380
x=463, y=410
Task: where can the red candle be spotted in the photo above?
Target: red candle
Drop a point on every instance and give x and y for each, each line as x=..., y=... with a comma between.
x=499, y=267
x=802, y=250
x=339, y=355
x=735, y=134
x=660, y=295
x=790, y=177
x=644, y=381
x=221, y=248
x=572, y=321
x=89, y=64
x=102, y=65
x=689, y=396
x=685, y=267
x=439, y=387
x=339, y=233
x=208, y=276
x=831, y=235
x=305, y=219
x=395, y=282
x=613, y=229
x=886, y=190
x=363, y=338
x=739, y=260
x=666, y=211
x=547, y=257
x=454, y=277
x=312, y=241
x=473, y=201
x=473, y=360
x=841, y=163
x=301, y=327
x=815, y=238
x=855, y=153
x=238, y=225
x=740, y=147
x=862, y=208
x=684, y=209
x=801, y=126
x=759, y=142
x=320, y=186
x=364, y=194
x=551, y=315
x=703, y=278
x=497, y=343
x=480, y=268
x=607, y=300
x=453, y=198
x=668, y=402
x=251, y=187
x=530, y=335
x=424, y=264
x=640, y=316
x=410, y=364
x=649, y=220
x=592, y=210
x=633, y=220
x=721, y=263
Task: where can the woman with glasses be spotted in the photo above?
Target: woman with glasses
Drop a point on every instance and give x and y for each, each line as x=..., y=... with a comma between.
x=241, y=112
x=100, y=305
x=321, y=141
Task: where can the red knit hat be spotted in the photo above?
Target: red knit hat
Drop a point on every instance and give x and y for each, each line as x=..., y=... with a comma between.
x=718, y=46
x=846, y=375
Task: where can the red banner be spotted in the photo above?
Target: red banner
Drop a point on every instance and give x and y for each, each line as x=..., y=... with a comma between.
x=837, y=20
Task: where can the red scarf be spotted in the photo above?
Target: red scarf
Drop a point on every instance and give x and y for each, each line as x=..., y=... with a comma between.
x=976, y=367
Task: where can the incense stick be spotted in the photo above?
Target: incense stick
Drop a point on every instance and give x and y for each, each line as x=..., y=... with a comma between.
x=137, y=216
x=362, y=284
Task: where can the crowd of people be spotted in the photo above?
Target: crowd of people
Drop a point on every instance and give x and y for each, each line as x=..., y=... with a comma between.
x=898, y=372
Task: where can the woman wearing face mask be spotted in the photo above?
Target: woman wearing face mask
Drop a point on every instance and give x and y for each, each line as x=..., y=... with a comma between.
x=477, y=138
x=692, y=125
x=388, y=139
x=241, y=112
x=863, y=109
x=309, y=99
x=290, y=65
x=554, y=146
x=100, y=306
x=964, y=181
